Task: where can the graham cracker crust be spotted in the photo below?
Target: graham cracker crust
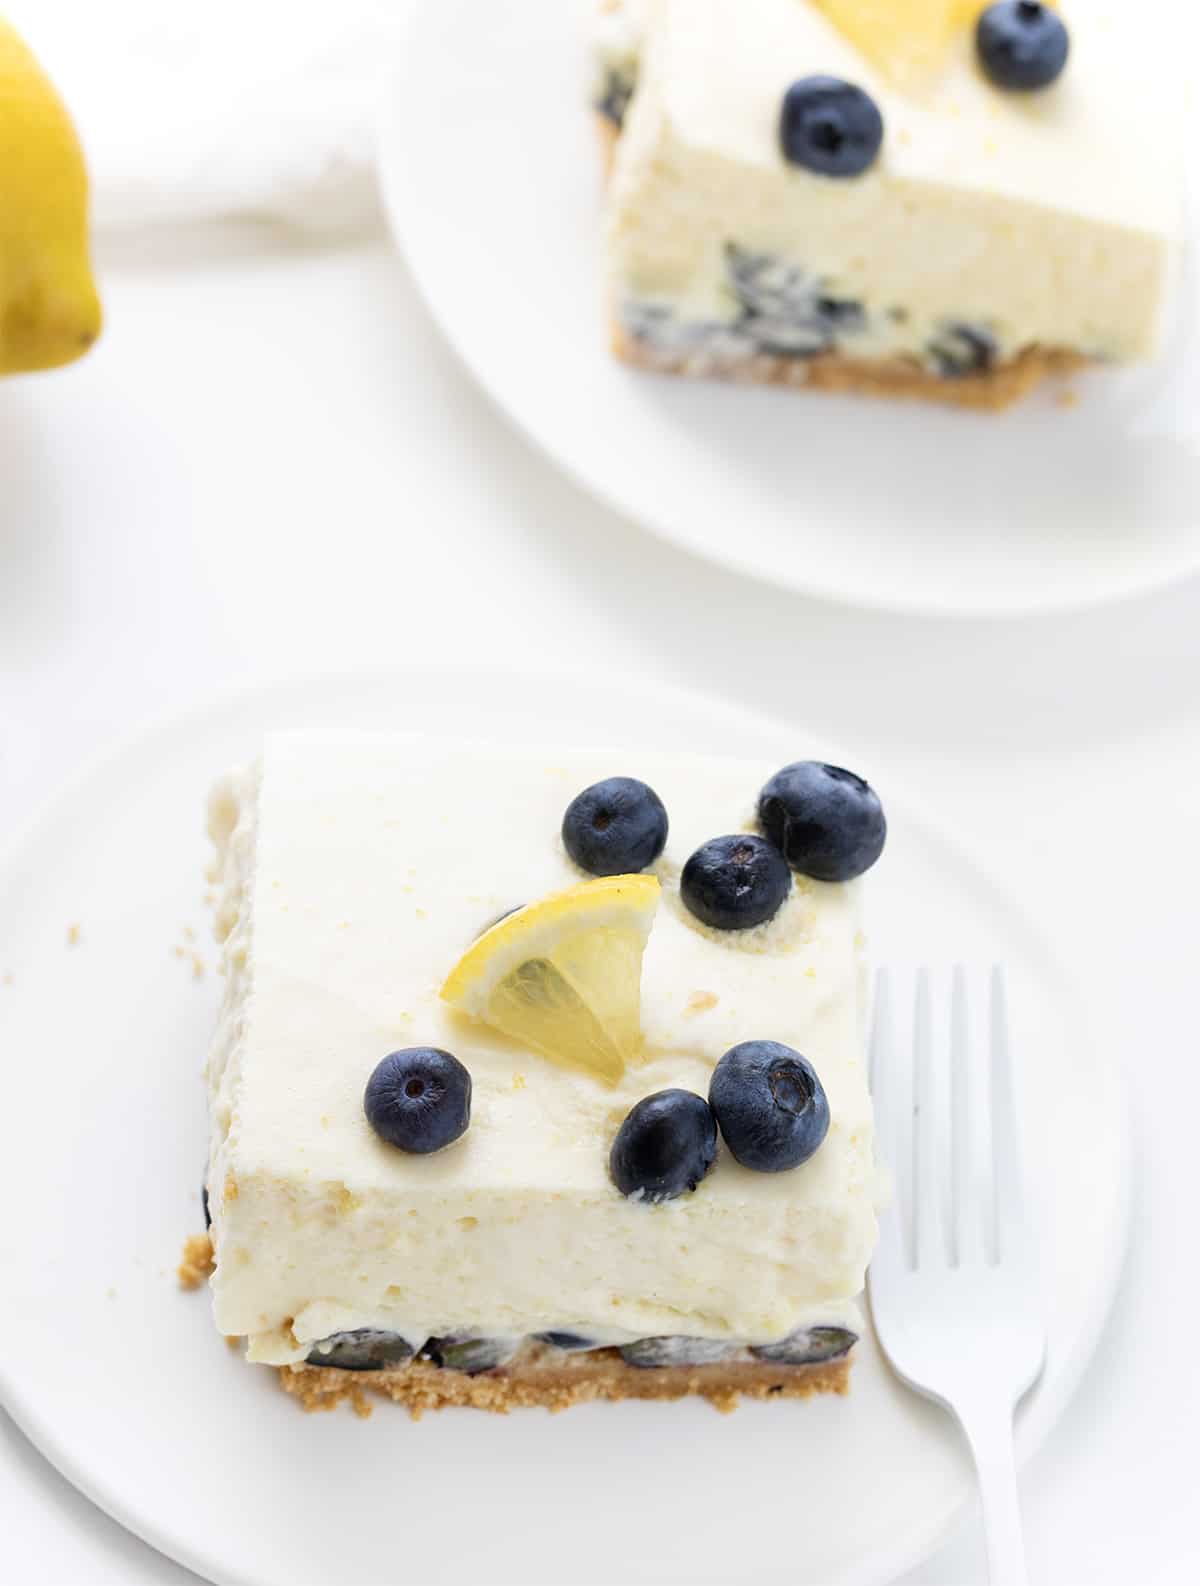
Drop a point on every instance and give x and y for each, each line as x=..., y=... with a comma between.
x=989, y=391
x=608, y=134
x=196, y=1263
x=545, y=1379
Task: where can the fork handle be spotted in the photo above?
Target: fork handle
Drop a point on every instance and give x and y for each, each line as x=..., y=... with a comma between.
x=988, y=1425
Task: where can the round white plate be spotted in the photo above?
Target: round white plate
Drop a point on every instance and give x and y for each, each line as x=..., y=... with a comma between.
x=491, y=178
x=122, y=1382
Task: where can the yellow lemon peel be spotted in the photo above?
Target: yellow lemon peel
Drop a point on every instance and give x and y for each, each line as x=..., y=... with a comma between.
x=908, y=40
x=563, y=975
x=49, y=309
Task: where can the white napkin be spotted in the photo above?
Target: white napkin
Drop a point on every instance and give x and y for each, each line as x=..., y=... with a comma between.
x=193, y=111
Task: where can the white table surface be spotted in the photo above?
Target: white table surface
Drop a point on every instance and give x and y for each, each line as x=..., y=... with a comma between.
x=273, y=466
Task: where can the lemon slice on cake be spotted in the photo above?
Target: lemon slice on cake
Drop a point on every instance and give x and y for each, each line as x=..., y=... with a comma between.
x=564, y=975
x=907, y=39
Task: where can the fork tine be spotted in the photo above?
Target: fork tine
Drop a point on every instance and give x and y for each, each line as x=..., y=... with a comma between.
x=928, y=1239
x=882, y=1070
x=964, y=1201
x=881, y=1030
x=1008, y=1187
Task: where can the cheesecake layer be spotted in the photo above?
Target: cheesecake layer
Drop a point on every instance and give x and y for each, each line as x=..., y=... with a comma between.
x=992, y=224
x=354, y=872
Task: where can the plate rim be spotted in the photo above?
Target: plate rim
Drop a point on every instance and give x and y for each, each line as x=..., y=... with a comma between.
x=600, y=488
x=1038, y=1413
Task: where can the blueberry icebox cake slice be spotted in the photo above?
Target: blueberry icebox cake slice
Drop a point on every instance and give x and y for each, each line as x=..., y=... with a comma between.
x=539, y=1076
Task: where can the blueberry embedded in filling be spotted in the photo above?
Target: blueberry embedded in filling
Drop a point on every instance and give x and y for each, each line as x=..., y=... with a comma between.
x=364, y=1349
x=842, y=313
x=374, y=1349
x=569, y=1343
x=781, y=311
x=652, y=1353
x=808, y=1346
x=470, y=1354
x=652, y=323
x=960, y=350
x=784, y=310
x=616, y=93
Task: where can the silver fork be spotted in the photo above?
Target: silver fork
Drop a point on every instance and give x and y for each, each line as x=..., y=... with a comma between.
x=954, y=1282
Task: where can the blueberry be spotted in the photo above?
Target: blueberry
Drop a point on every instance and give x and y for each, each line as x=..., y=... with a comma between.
x=615, y=827
x=419, y=1099
x=844, y=312
x=570, y=1343
x=784, y=309
x=769, y=1104
x=653, y=323
x=830, y=126
x=618, y=90
x=959, y=349
x=649, y=1353
x=732, y=883
x=1021, y=45
x=469, y=1353
x=808, y=1346
x=666, y=1145
x=204, y=1203
x=828, y=823
x=364, y=1349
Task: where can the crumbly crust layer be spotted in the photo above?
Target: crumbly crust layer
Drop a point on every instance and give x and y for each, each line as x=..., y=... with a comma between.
x=196, y=1262
x=568, y=1380
x=609, y=135
x=989, y=390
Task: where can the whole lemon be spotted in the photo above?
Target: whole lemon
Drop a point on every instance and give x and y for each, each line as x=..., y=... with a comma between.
x=49, y=309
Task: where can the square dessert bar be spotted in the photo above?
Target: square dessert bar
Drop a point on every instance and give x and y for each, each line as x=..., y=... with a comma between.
x=508, y=1268
x=844, y=195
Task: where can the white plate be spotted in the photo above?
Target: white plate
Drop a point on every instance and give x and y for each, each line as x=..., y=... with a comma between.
x=491, y=179
x=120, y=1379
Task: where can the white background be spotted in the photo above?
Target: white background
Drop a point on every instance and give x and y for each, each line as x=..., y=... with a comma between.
x=271, y=465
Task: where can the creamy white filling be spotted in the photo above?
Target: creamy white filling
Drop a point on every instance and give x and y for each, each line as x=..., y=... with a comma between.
x=354, y=872
x=231, y=826
x=1050, y=219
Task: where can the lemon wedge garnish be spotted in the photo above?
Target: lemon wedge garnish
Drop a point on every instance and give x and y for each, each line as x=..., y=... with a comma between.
x=564, y=975
x=906, y=39
x=49, y=310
